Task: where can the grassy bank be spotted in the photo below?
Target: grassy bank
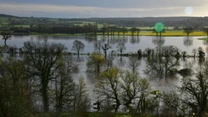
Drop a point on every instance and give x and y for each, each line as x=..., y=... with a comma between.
x=205, y=38
x=170, y=33
x=143, y=33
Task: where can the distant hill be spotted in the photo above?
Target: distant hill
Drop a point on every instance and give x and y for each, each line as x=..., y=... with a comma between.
x=4, y=15
x=196, y=22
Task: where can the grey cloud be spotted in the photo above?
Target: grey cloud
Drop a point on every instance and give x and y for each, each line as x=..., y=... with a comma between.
x=170, y=3
x=155, y=9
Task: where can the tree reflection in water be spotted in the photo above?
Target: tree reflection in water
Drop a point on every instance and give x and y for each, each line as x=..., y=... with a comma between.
x=207, y=50
x=121, y=62
x=133, y=40
x=205, y=42
x=114, y=40
x=158, y=41
x=90, y=38
x=188, y=41
x=98, y=45
x=137, y=39
x=78, y=58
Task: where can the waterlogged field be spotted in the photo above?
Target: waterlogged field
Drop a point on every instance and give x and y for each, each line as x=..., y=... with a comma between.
x=167, y=33
x=132, y=45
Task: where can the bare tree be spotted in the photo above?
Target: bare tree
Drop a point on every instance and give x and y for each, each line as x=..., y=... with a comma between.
x=195, y=91
x=188, y=30
x=112, y=30
x=119, y=30
x=81, y=99
x=133, y=64
x=6, y=36
x=148, y=52
x=78, y=46
x=126, y=89
x=41, y=59
x=98, y=45
x=65, y=88
x=121, y=47
x=133, y=30
x=206, y=31
x=163, y=63
x=104, y=29
x=124, y=30
x=105, y=48
x=154, y=31
x=138, y=31
x=158, y=33
x=171, y=104
x=95, y=28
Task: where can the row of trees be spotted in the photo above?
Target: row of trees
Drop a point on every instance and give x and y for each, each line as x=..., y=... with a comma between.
x=86, y=29
x=196, y=22
x=91, y=29
x=102, y=46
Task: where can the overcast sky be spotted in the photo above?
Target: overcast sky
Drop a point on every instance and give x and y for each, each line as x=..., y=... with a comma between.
x=104, y=8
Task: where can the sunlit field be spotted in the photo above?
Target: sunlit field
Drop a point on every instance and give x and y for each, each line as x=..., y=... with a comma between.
x=167, y=33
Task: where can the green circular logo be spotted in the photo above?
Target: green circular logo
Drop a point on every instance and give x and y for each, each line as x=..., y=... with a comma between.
x=159, y=27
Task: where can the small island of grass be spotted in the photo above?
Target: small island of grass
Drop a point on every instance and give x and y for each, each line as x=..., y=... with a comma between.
x=205, y=38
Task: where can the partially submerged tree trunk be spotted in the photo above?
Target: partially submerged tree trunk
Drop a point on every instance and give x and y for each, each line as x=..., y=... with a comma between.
x=42, y=59
x=6, y=35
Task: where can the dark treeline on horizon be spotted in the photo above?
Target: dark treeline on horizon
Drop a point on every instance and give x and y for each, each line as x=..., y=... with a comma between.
x=92, y=25
x=122, y=21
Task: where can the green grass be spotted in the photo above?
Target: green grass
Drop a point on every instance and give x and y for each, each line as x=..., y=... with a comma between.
x=4, y=19
x=82, y=23
x=24, y=26
x=143, y=33
x=205, y=38
x=149, y=28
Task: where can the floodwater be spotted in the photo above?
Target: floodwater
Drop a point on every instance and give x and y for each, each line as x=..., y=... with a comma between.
x=132, y=44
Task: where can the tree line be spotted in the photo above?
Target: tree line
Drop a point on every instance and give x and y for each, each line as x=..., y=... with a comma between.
x=196, y=22
x=91, y=29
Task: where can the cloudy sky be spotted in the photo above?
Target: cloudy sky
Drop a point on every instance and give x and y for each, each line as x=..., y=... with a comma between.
x=104, y=8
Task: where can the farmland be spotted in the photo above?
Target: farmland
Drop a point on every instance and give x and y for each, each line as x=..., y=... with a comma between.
x=116, y=26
